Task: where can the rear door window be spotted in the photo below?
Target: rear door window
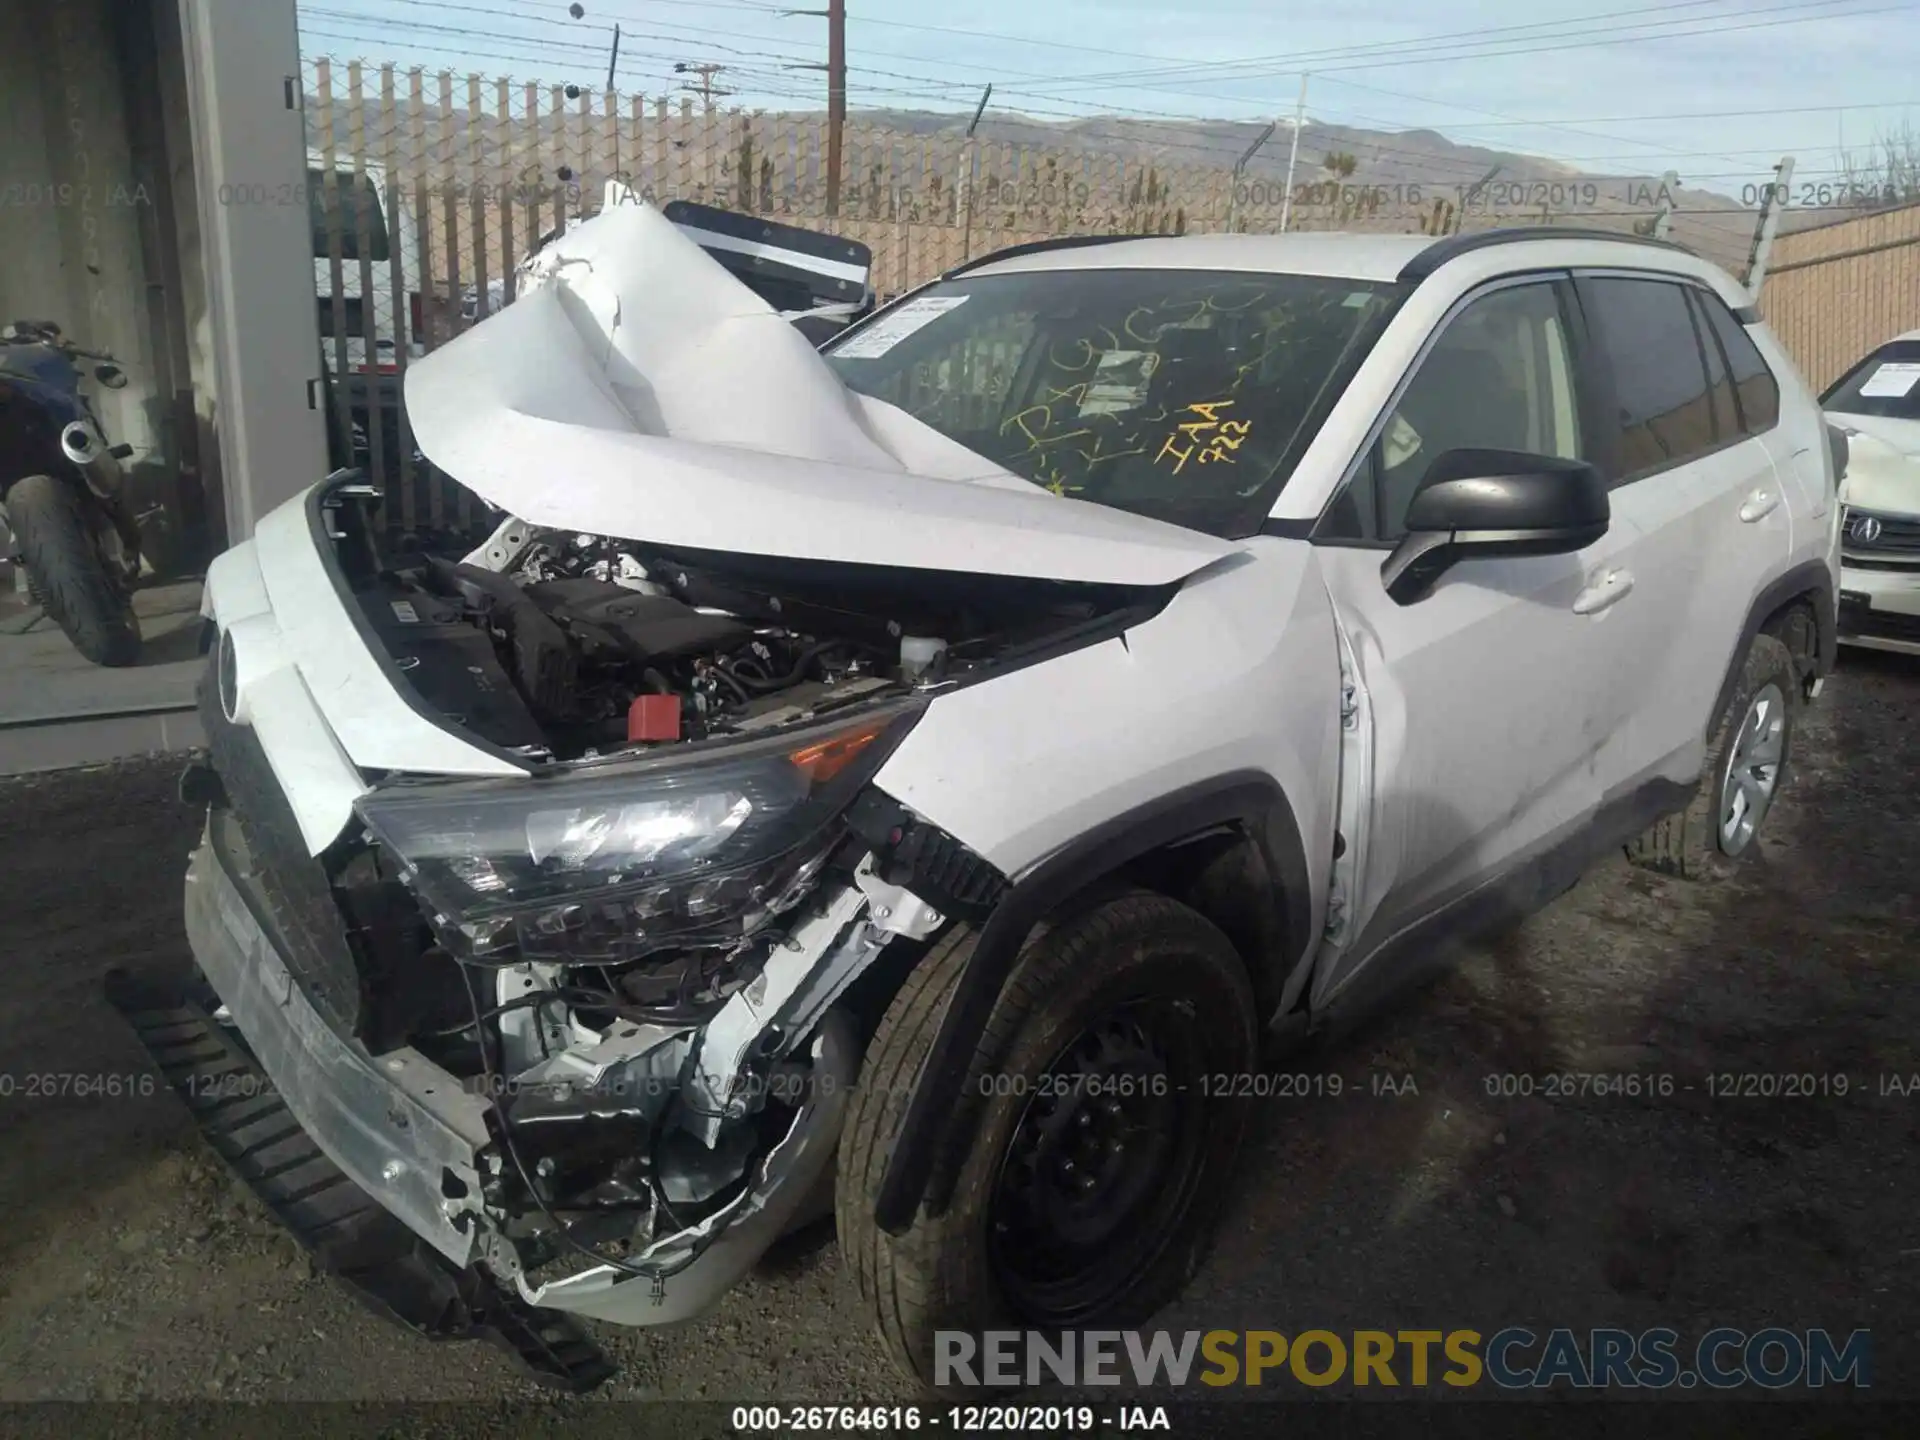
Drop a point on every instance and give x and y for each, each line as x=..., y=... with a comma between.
x=1664, y=408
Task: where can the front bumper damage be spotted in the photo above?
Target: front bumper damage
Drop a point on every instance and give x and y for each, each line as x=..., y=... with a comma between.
x=421, y=1144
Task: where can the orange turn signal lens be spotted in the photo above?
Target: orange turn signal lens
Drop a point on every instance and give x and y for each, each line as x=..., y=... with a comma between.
x=822, y=761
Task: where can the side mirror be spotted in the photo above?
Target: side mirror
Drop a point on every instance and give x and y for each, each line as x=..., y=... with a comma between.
x=1842, y=450
x=1477, y=503
x=111, y=376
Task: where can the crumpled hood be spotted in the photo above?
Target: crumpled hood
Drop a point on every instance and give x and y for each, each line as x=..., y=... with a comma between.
x=638, y=390
x=1883, y=464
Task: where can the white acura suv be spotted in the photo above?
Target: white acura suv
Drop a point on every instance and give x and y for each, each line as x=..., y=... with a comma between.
x=1876, y=405
x=908, y=781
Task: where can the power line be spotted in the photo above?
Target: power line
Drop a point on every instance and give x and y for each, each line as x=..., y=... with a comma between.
x=948, y=90
x=1212, y=153
x=1449, y=169
x=1424, y=50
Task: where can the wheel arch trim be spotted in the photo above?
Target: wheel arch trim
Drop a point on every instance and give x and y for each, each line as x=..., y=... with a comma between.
x=1247, y=798
x=1812, y=581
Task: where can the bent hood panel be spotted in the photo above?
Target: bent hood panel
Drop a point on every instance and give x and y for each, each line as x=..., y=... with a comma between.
x=638, y=390
x=1900, y=435
x=1883, y=464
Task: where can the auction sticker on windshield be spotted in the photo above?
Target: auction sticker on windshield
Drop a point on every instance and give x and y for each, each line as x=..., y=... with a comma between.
x=1893, y=380
x=889, y=330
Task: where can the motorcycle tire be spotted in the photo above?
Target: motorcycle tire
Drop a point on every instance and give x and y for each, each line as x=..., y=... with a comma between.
x=61, y=547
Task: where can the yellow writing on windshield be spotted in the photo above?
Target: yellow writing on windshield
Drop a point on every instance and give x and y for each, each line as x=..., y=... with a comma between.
x=1206, y=439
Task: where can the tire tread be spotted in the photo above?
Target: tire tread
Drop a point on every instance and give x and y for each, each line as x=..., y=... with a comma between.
x=1684, y=844
x=51, y=525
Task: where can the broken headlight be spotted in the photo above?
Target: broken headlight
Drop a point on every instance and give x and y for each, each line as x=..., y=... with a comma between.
x=615, y=860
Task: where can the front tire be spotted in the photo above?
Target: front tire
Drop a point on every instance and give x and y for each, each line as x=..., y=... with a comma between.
x=1746, y=764
x=1095, y=1161
x=62, y=549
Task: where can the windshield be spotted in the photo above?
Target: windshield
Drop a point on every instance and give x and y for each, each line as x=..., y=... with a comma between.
x=1886, y=383
x=1185, y=395
x=346, y=205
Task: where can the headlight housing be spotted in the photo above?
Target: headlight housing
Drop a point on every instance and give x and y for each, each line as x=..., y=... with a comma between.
x=608, y=862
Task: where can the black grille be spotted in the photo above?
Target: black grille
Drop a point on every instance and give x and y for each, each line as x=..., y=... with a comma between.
x=1897, y=534
x=1857, y=619
x=291, y=884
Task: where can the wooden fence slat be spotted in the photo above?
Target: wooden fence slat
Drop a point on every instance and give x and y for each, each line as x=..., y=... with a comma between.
x=477, y=205
x=450, y=241
x=336, y=245
x=502, y=171
x=369, y=296
x=397, y=291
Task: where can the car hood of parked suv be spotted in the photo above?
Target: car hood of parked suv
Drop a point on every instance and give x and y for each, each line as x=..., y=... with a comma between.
x=1883, y=463
x=636, y=389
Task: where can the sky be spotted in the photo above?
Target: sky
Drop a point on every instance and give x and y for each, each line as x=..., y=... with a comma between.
x=1716, y=90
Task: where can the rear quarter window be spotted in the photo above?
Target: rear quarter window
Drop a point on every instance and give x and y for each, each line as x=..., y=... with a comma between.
x=1753, y=383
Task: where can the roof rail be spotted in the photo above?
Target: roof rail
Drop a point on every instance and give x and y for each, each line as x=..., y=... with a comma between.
x=1035, y=247
x=1453, y=246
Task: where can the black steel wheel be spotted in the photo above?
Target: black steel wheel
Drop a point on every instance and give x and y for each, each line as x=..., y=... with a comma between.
x=1090, y=1159
x=1100, y=1165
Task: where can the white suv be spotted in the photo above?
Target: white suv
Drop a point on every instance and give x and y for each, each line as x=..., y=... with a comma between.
x=1876, y=406
x=953, y=752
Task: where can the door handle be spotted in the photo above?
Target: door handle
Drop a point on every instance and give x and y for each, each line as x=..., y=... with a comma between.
x=1759, y=505
x=1598, y=596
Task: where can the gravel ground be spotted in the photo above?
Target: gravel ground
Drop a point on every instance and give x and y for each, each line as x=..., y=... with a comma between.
x=131, y=1267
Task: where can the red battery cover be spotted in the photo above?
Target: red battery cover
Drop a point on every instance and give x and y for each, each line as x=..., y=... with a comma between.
x=654, y=717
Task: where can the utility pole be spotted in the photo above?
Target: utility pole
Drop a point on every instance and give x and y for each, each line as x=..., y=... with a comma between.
x=613, y=66
x=1663, y=217
x=1240, y=168
x=966, y=179
x=1769, y=224
x=1293, y=154
x=836, y=68
x=1472, y=194
x=706, y=70
x=836, y=97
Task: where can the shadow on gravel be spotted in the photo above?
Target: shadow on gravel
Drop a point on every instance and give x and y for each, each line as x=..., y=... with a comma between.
x=93, y=865
x=1474, y=1155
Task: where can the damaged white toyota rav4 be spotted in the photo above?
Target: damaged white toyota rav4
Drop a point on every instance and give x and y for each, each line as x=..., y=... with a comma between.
x=908, y=780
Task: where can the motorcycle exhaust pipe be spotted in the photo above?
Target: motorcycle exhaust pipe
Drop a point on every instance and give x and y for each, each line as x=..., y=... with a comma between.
x=82, y=443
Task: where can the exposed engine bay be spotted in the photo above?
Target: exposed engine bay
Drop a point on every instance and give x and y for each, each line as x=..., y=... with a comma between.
x=643, y=950
x=542, y=642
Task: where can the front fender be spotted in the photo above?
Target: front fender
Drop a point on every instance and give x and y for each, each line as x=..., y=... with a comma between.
x=1239, y=672
x=1222, y=708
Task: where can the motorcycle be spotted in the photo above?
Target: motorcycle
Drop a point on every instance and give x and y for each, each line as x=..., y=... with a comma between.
x=63, y=508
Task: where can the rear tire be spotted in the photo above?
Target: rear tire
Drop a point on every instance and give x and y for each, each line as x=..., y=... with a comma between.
x=1716, y=832
x=61, y=547
x=1083, y=1198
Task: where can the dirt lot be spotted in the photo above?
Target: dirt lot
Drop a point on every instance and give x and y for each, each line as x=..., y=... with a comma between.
x=131, y=1268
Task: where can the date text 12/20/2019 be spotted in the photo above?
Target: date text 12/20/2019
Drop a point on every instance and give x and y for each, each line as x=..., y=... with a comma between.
x=952, y=1420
